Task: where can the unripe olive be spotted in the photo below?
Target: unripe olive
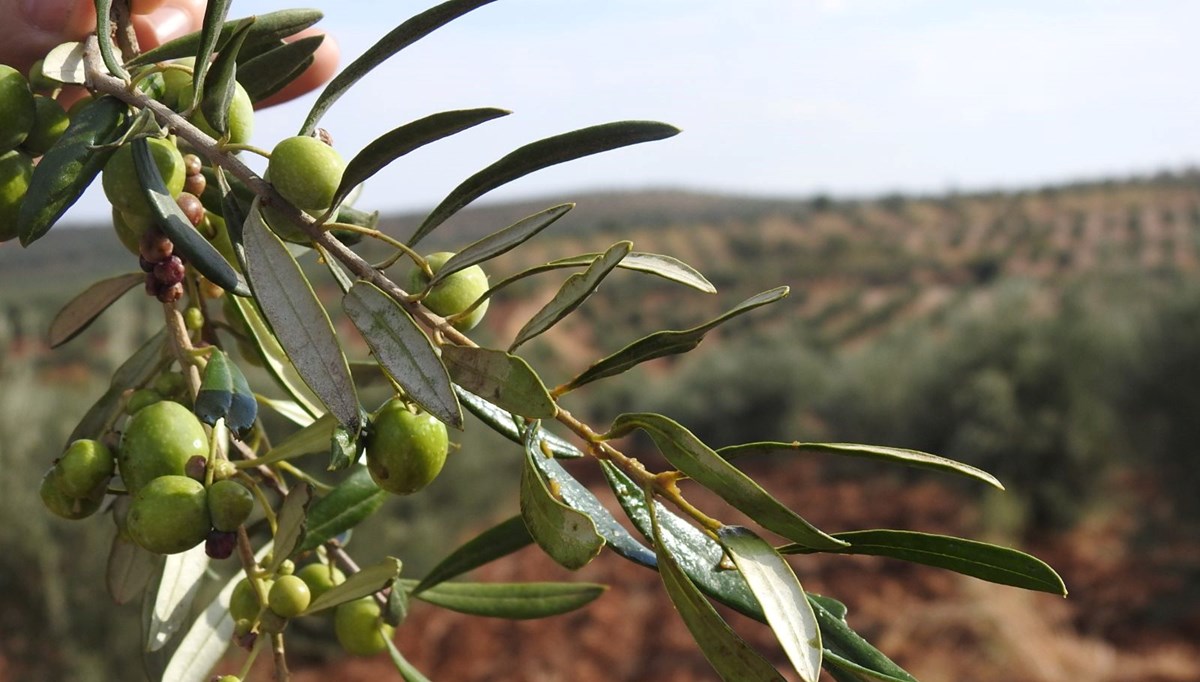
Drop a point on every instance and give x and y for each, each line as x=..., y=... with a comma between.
x=306, y=171
x=358, y=627
x=38, y=80
x=16, y=171
x=243, y=603
x=50, y=122
x=453, y=294
x=120, y=178
x=175, y=81
x=230, y=504
x=214, y=229
x=140, y=399
x=240, y=120
x=130, y=229
x=84, y=467
x=289, y=596
x=320, y=578
x=406, y=450
x=60, y=504
x=169, y=515
x=158, y=441
x=227, y=678
x=16, y=108
x=171, y=384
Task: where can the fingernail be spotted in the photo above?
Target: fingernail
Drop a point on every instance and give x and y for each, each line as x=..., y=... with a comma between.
x=169, y=22
x=48, y=15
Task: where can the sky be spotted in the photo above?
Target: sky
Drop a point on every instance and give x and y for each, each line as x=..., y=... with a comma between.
x=780, y=98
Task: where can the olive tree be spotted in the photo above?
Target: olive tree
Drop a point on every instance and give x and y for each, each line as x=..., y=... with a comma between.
x=176, y=451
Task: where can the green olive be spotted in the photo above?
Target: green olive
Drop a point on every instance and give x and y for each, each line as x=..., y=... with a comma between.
x=229, y=504
x=359, y=628
x=50, y=122
x=243, y=603
x=306, y=171
x=60, y=504
x=130, y=228
x=289, y=596
x=320, y=578
x=120, y=178
x=169, y=515
x=84, y=467
x=175, y=81
x=140, y=399
x=158, y=441
x=453, y=294
x=406, y=450
x=240, y=119
x=16, y=171
x=17, y=111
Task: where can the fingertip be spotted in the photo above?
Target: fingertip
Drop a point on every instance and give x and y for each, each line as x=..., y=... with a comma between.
x=325, y=63
x=167, y=20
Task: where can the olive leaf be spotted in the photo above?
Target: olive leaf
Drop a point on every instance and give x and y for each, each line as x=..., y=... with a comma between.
x=515, y=601
x=407, y=671
x=177, y=588
x=308, y=440
x=268, y=28
x=501, y=378
x=129, y=569
x=291, y=524
x=108, y=51
x=275, y=360
x=353, y=500
x=503, y=422
x=498, y=541
x=500, y=242
x=268, y=73
x=82, y=310
x=367, y=581
x=221, y=80
x=211, y=30
x=568, y=536
x=667, y=267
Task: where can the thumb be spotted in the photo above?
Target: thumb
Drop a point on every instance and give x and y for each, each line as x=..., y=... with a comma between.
x=32, y=27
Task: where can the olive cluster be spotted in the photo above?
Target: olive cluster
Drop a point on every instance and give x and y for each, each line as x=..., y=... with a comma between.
x=30, y=123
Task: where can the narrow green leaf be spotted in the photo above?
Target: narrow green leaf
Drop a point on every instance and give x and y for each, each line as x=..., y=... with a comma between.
x=567, y=536
x=367, y=581
x=781, y=597
x=308, y=440
x=515, y=601
x=82, y=310
x=68, y=167
x=541, y=154
x=729, y=654
x=572, y=294
x=129, y=569
x=695, y=459
x=846, y=650
x=504, y=423
x=291, y=524
x=396, y=143
x=268, y=27
x=210, y=34
x=666, y=267
x=395, y=611
x=500, y=242
x=982, y=560
x=697, y=554
x=399, y=38
x=243, y=409
x=664, y=343
x=275, y=360
x=913, y=458
x=174, y=595
x=353, y=500
x=288, y=409
x=216, y=389
x=298, y=320
x=500, y=378
x=833, y=606
x=221, y=81
x=496, y=542
x=199, y=252
x=271, y=71
x=407, y=671
x=141, y=367
x=403, y=350
x=108, y=52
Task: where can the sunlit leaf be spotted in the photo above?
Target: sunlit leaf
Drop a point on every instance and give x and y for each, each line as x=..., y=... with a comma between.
x=572, y=294
x=396, y=143
x=298, y=320
x=500, y=242
x=982, y=560
x=541, y=154
x=308, y=440
x=502, y=379
x=567, y=536
x=729, y=654
x=211, y=29
x=515, y=601
x=82, y=310
x=353, y=500
x=403, y=350
x=275, y=360
x=397, y=39
x=367, y=581
x=496, y=542
x=65, y=63
x=268, y=27
x=695, y=459
x=504, y=423
x=664, y=343
x=913, y=458
x=176, y=590
x=129, y=569
x=658, y=264
x=291, y=524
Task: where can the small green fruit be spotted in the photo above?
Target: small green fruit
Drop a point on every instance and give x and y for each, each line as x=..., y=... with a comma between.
x=240, y=119
x=50, y=122
x=158, y=441
x=130, y=228
x=359, y=628
x=17, y=110
x=454, y=294
x=60, y=504
x=243, y=603
x=230, y=504
x=16, y=171
x=120, y=178
x=84, y=467
x=169, y=515
x=140, y=399
x=175, y=81
x=320, y=578
x=39, y=81
x=306, y=171
x=171, y=384
x=405, y=451
x=289, y=596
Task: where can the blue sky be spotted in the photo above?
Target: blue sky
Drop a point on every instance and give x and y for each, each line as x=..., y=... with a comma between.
x=780, y=97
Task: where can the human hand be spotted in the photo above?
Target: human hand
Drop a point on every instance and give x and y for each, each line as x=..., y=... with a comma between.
x=33, y=27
